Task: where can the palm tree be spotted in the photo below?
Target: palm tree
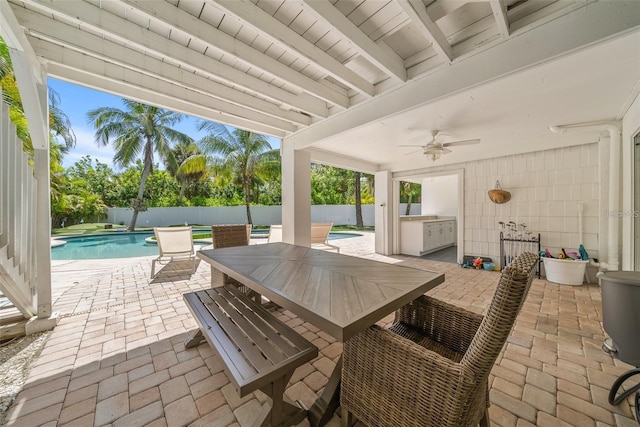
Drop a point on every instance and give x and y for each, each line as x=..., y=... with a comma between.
x=409, y=190
x=192, y=166
x=240, y=153
x=139, y=131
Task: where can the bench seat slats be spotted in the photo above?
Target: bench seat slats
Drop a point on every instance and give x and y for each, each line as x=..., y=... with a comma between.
x=264, y=352
x=246, y=347
x=259, y=314
x=219, y=340
x=254, y=345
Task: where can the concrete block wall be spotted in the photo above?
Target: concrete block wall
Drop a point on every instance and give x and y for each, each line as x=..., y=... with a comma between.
x=546, y=187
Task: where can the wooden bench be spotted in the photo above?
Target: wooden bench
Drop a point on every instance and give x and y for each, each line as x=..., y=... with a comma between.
x=258, y=350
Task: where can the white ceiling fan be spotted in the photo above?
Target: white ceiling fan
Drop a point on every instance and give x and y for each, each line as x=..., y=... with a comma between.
x=433, y=149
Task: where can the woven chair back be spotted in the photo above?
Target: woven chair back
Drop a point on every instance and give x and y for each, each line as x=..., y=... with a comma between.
x=496, y=326
x=224, y=236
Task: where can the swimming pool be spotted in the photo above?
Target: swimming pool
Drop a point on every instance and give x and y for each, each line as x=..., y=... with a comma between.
x=102, y=246
x=126, y=245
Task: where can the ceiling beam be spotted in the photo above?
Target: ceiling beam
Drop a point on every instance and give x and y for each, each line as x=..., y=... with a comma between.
x=592, y=24
x=386, y=60
x=133, y=79
x=30, y=77
x=128, y=33
x=61, y=34
x=14, y=37
x=178, y=19
x=340, y=161
x=499, y=9
x=124, y=90
x=251, y=15
x=418, y=14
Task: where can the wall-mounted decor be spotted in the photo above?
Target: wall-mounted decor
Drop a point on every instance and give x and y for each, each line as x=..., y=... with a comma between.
x=498, y=195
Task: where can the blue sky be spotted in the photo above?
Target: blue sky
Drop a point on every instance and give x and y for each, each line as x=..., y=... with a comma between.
x=76, y=101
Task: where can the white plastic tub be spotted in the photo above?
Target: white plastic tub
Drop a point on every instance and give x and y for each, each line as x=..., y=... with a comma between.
x=565, y=272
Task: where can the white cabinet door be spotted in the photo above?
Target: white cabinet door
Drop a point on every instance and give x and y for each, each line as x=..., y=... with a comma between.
x=429, y=236
x=450, y=232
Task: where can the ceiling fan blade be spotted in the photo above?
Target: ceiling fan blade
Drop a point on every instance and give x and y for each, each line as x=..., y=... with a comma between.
x=466, y=142
x=412, y=152
x=445, y=150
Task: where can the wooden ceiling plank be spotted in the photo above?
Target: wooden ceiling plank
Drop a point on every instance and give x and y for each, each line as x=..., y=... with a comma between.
x=61, y=55
x=128, y=33
x=282, y=35
x=387, y=61
x=63, y=34
x=189, y=24
x=418, y=14
x=125, y=90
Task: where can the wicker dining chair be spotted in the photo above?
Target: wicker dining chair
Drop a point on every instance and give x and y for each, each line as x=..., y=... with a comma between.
x=431, y=367
x=229, y=235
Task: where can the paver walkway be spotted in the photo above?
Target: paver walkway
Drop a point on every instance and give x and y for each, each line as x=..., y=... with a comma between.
x=118, y=358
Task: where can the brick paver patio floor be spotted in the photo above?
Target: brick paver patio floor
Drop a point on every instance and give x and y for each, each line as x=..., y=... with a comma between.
x=117, y=356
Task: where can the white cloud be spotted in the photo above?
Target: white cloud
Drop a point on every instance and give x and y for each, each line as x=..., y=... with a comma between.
x=85, y=146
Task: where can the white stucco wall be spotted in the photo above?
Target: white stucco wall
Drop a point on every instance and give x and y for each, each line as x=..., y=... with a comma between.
x=440, y=196
x=261, y=215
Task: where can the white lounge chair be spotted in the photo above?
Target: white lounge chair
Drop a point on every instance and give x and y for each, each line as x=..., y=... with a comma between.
x=320, y=234
x=174, y=242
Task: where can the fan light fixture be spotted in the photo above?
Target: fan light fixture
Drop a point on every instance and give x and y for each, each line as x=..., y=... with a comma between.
x=433, y=156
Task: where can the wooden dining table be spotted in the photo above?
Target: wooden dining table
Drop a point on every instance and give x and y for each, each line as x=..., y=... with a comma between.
x=339, y=294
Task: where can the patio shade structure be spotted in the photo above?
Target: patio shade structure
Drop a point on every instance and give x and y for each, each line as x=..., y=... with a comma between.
x=342, y=82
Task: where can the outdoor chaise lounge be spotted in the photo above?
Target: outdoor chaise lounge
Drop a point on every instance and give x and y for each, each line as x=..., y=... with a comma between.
x=319, y=234
x=174, y=243
x=431, y=367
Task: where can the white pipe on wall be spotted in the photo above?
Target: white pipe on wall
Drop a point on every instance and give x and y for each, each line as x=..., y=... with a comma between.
x=613, y=204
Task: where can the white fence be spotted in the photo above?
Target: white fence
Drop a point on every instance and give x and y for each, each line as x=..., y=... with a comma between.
x=261, y=215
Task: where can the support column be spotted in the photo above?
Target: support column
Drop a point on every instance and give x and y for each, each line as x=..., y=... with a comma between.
x=383, y=212
x=296, y=195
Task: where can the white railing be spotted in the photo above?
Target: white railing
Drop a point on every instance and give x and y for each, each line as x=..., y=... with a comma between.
x=17, y=220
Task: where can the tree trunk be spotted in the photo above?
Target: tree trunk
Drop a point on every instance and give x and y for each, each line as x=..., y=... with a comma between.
x=358, y=200
x=182, y=186
x=247, y=201
x=408, y=211
x=143, y=181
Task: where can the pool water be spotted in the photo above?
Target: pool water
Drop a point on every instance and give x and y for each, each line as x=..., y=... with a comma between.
x=126, y=245
x=121, y=245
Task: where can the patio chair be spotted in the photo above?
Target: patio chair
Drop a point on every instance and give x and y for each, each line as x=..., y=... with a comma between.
x=173, y=243
x=320, y=234
x=431, y=367
x=229, y=235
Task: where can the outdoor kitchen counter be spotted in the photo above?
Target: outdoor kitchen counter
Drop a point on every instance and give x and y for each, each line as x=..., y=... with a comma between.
x=421, y=234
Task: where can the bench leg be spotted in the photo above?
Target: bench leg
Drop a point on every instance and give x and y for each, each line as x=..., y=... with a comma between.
x=194, y=339
x=324, y=407
x=279, y=412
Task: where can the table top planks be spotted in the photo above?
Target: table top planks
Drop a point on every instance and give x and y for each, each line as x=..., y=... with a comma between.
x=340, y=294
